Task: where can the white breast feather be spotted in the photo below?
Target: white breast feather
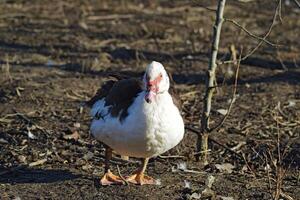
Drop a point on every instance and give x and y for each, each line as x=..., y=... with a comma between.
x=148, y=130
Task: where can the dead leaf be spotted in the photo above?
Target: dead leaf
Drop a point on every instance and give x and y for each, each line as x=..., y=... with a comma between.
x=209, y=181
x=226, y=168
x=74, y=136
x=22, y=158
x=76, y=125
x=157, y=182
x=182, y=167
x=225, y=198
x=238, y=146
x=208, y=193
x=3, y=141
x=195, y=195
x=89, y=155
x=38, y=162
x=187, y=184
x=87, y=167
x=31, y=135
x=222, y=111
x=292, y=103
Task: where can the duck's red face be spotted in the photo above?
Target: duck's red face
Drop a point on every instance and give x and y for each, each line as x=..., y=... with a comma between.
x=155, y=80
x=152, y=87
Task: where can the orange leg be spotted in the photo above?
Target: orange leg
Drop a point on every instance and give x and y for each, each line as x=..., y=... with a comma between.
x=109, y=178
x=139, y=176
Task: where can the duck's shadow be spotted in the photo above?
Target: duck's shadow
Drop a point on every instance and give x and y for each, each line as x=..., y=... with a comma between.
x=31, y=175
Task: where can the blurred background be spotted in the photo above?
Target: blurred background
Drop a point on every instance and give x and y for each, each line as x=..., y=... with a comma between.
x=54, y=55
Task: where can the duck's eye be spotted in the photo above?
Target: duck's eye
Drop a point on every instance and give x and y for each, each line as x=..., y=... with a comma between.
x=160, y=76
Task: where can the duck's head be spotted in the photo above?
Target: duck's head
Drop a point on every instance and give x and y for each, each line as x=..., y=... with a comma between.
x=155, y=80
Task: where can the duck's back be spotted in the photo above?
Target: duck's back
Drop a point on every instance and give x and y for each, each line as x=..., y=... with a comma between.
x=114, y=98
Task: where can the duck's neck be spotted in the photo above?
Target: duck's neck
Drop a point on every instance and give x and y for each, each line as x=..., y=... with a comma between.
x=161, y=98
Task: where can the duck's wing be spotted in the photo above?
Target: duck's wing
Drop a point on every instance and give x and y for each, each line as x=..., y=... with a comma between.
x=101, y=93
x=115, y=97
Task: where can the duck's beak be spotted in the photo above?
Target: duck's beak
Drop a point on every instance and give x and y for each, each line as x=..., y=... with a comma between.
x=151, y=92
x=150, y=96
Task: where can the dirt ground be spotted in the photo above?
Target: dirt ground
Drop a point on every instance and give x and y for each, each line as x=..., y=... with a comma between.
x=55, y=54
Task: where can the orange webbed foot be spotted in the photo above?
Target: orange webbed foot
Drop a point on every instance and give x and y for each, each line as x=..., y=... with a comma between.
x=110, y=179
x=141, y=179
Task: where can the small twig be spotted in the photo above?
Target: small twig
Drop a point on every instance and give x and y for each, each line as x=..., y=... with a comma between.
x=279, y=11
x=281, y=61
x=21, y=115
x=268, y=32
x=297, y=3
x=194, y=130
x=286, y=196
x=261, y=41
x=249, y=33
x=205, y=7
x=200, y=152
x=268, y=173
x=172, y=156
x=120, y=175
x=245, y=160
x=233, y=98
x=295, y=63
x=110, y=17
x=280, y=110
x=193, y=171
x=8, y=69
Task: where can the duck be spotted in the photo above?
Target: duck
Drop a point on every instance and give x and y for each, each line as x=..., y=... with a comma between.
x=136, y=117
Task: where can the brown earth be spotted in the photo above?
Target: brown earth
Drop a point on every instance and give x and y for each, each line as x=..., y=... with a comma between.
x=55, y=54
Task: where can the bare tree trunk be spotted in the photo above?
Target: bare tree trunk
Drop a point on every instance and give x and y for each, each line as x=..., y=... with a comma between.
x=202, y=143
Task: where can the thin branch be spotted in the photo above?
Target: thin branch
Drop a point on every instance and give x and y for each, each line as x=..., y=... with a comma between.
x=233, y=98
x=199, y=153
x=297, y=3
x=286, y=196
x=202, y=143
x=194, y=130
x=205, y=7
x=249, y=33
x=276, y=13
x=247, y=164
